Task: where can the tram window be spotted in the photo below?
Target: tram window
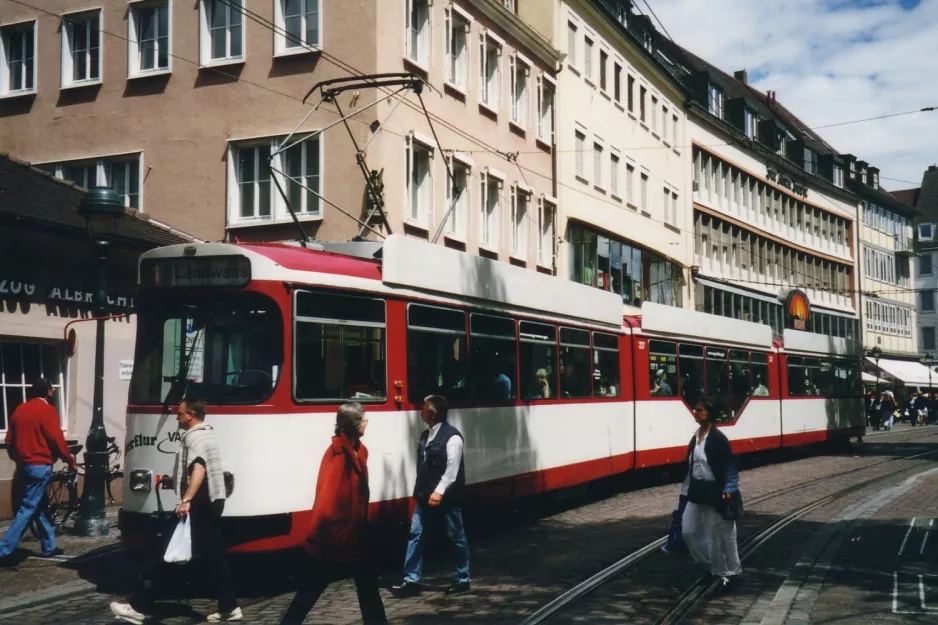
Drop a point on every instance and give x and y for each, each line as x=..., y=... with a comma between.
x=575, y=363
x=538, y=350
x=825, y=381
x=717, y=369
x=739, y=381
x=795, y=376
x=436, y=353
x=662, y=368
x=759, y=368
x=812, y=376
x=494, y=358
x=339, y=350
x=842, y=378
x=691, y=362
x=605, y=365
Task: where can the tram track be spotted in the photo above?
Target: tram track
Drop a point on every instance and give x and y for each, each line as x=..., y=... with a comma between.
x=702, y=587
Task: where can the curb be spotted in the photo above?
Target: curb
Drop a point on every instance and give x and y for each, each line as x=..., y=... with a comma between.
x=62, y=591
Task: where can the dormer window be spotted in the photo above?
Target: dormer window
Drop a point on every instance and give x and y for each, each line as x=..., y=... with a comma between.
x=875, y=181
x=926, y=231
x=810, y=161
x=750, y=123
x=715, y=100
x=837, y=175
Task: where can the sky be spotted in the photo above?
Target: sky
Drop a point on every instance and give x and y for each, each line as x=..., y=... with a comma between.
x=831, y=61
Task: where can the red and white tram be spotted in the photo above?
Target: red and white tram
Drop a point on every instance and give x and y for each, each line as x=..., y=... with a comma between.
x=550, y=386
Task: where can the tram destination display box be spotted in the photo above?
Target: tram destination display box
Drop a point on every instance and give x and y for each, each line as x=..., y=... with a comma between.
x=205, y=271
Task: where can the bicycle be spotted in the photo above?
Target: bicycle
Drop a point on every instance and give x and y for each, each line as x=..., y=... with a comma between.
x=62, y=494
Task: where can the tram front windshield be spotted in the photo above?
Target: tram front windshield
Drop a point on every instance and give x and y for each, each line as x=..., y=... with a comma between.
x=227, y=349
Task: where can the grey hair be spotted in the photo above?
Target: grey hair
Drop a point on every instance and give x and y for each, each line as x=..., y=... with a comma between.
x=437, y=405
x=349, y=418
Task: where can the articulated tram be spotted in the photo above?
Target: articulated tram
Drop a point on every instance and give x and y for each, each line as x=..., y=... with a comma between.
x=549, y=384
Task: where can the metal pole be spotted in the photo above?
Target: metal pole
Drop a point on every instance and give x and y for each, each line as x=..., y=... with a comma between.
x=92, y=519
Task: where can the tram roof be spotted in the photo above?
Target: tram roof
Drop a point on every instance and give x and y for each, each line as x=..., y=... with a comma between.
x=800, y=341
x=661, y=319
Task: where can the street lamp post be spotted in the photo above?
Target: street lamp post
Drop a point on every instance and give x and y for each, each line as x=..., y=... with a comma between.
x=876, y=352
x=102, y=207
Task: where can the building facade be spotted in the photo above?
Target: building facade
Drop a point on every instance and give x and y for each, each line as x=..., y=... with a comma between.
x=771, y=213
x=622, y=153
x=181, y=106
x=886, y=251
x=925, y=270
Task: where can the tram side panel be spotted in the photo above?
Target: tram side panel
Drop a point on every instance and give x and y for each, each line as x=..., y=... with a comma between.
x=820, y=399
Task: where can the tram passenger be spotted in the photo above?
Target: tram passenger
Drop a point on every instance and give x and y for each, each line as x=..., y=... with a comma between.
x=441, y=477
x=338, y=527
x=760, y=390
x=660, y=387
x=711, y=486
x=542, y=385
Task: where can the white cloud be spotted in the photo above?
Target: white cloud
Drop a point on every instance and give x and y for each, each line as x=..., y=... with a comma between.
x=831, y=61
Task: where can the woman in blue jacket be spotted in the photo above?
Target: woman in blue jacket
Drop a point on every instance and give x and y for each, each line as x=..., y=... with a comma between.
x=711, y=485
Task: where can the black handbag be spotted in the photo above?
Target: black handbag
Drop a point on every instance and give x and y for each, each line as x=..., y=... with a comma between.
x=732, y=508
x=704, y=492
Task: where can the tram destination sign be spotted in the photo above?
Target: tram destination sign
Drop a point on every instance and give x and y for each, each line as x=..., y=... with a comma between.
x=205, y=271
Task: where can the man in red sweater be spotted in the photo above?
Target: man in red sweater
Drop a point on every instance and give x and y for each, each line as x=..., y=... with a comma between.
x=34, y=441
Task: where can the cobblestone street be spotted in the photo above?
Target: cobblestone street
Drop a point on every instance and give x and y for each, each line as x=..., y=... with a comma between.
x=529, y=557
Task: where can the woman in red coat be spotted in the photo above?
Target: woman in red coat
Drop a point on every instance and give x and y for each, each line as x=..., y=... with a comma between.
x=336, y=538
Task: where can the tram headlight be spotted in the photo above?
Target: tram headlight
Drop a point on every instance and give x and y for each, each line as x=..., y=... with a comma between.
x=141, y=481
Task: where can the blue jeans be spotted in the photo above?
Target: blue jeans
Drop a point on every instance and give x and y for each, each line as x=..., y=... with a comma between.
x=413, y=561
x=36, y=478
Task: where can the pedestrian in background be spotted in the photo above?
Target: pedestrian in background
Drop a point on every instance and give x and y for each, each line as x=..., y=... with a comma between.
x=876, y=414
x=441, y=476
x=711, y=485
x=199, y=481
x=336, y=541
x=887, y=409
x=34, y=441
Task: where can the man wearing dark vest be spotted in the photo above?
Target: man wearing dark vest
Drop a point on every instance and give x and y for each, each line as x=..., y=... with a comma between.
x=441, y=477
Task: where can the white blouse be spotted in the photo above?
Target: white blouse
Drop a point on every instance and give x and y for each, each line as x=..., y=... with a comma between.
x=700, y=467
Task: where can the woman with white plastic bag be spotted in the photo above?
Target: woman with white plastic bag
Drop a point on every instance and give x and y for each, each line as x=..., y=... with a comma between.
x=201, y=491
x=713, y=499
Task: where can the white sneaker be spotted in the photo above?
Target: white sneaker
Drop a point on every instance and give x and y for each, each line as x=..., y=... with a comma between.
x=219, y=617
x=124, y=612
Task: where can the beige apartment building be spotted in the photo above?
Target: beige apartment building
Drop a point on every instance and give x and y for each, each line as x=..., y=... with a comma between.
x=180, y=106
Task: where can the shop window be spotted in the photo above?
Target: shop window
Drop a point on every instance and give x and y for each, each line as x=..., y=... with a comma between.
x=690, y=360
x=21, y=364
x=538, y=351
x=759, y=368
x=339, y=348
x=739, y=381
x=494, y=358
x=574, y=363
x=717, y=368
x=795, y=376
x=436, y=353
x=605, y=365
x=662, y=368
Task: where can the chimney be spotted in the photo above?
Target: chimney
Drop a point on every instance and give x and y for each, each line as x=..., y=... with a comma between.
x=742, y=76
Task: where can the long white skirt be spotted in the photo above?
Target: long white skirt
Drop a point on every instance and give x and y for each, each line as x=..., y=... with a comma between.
x=710, y=539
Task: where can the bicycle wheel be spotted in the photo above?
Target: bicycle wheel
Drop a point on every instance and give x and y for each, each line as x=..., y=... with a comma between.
x=63, y=497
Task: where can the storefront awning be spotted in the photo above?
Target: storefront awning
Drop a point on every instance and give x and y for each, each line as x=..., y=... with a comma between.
x=872, y=379
x=908, y=372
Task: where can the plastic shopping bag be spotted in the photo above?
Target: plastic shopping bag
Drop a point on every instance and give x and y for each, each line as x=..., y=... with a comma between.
x=179, y=550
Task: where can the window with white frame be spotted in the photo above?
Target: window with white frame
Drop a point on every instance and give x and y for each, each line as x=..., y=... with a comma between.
x=520, y=200
x=588, y=58
x=545, y=233
x=18, y=59
x=457, y=222
x=643, y=193
x=302, y=168
x=222, y=38
x=252, y=170
x=630, y=184
x=149, y=37
x=121, y=173
x=419, y=182
x=489, y=198
x=715, y=100
x=614, y=175
x=925, y=264
x=642, y=97
x=571, y=44
x=927, y=300
x=519, y=91
x=674, y=122
x=749, y=123
x=654, y=114
x=579, y=146
x=603, y=68
x=926, y=231
x=598, y=165
x=673, y=208
x=418, y=31
x=509, y=4
x=299, y=25
x=545, y=109
x=81, y=48
x=666, y=206
x=21, y=363
x=490, y=51
x=617, y=83
x=457, y=49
